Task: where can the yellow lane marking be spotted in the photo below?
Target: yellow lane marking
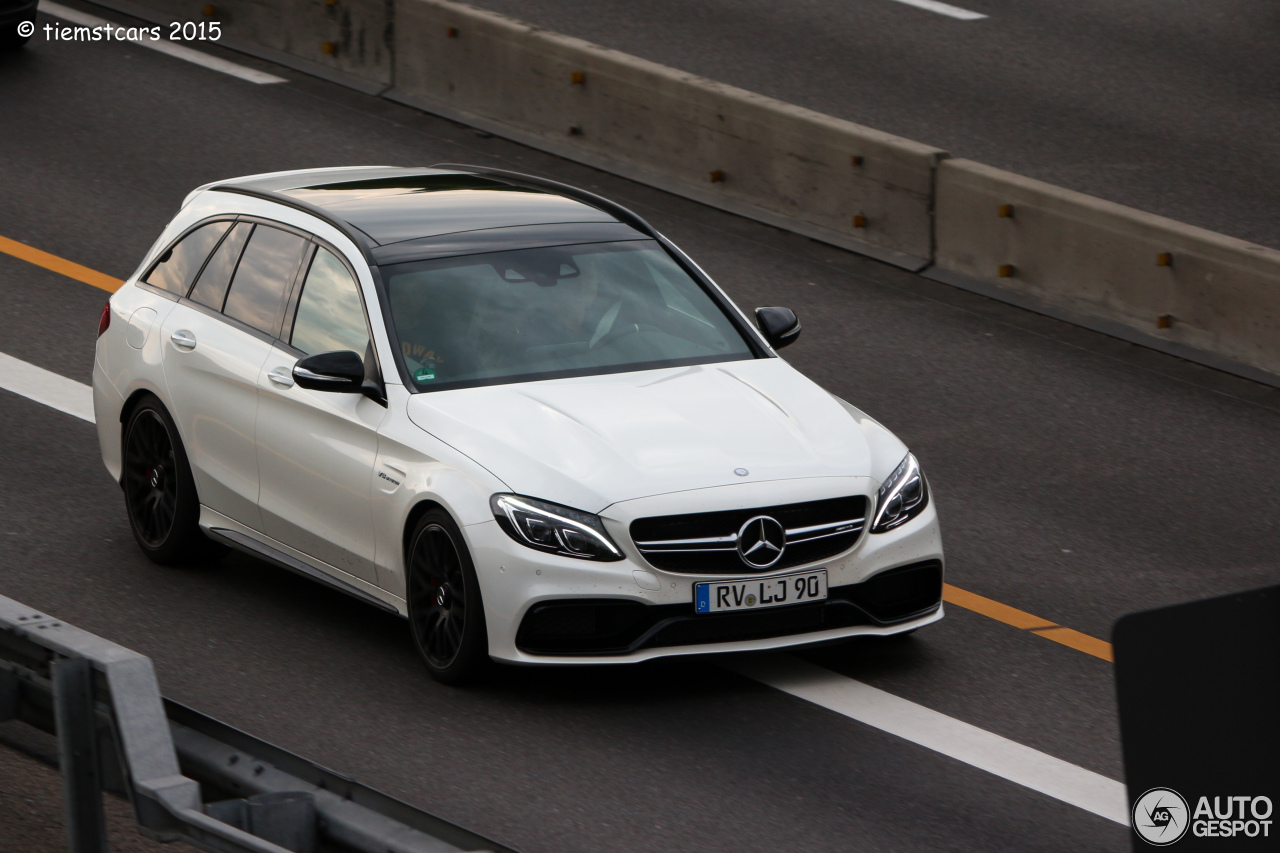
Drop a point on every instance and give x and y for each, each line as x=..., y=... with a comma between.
x=1021, y=619
x=59, y=265
x=951, y=594
x=994, y=609
x=1079, y=642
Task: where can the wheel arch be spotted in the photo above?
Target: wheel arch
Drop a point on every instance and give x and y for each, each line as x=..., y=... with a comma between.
x=416, y=512
x=131, y=403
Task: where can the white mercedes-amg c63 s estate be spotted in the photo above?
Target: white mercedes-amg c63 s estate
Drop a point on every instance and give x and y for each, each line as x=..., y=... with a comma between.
x=506, y=409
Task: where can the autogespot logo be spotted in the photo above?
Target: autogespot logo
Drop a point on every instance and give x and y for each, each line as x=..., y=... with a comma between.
x=761, y=542
x=1160, y=816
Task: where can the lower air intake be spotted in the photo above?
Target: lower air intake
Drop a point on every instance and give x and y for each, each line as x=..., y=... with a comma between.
x=614, y=627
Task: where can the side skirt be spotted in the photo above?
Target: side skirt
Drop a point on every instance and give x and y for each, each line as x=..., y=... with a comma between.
x=254, y=548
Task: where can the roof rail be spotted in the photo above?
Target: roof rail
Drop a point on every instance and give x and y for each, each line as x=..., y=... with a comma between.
x=363, y=241
x=520, y=179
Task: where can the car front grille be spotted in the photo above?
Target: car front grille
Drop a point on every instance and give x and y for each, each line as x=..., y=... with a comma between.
x=706, y=542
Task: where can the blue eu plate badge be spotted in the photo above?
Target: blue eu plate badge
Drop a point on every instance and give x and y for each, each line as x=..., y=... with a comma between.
x=702, y=598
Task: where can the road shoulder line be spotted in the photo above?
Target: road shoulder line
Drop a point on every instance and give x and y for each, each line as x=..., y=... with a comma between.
x=932, y=730
x=846, y=696
x=45, y=386
x=944, y=9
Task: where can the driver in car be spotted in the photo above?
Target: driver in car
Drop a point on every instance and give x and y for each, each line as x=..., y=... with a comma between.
x=459, y=322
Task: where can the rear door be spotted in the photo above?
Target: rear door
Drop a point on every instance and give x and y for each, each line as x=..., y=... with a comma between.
x=316, y=449
x=215, y=343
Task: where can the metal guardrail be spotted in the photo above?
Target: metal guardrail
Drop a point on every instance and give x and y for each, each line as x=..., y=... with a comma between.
x=116, y=733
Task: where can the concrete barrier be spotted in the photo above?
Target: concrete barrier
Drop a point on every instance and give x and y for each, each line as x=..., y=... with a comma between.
x=1154, y=281
x=1148, y=279
x=733, y=149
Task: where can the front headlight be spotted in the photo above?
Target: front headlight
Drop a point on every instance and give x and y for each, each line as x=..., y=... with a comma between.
x=553, y=528
x=902, y=496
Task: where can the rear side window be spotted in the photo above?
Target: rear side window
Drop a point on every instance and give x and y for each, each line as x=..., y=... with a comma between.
x=178, y=266
x=330, y=316
x=265, y=272
x=211, y=287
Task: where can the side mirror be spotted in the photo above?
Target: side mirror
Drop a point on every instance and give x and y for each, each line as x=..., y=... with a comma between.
x=342, y=372
x=780, y=326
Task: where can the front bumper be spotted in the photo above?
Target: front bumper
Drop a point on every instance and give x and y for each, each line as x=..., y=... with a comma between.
x=544, y=609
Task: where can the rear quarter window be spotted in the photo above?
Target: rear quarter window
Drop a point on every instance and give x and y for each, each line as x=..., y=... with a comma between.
x=178, y=266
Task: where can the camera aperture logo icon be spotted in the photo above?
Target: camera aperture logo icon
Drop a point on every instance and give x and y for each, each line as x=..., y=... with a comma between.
x=1161, y=817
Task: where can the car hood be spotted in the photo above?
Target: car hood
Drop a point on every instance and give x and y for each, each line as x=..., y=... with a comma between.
x=589, y=442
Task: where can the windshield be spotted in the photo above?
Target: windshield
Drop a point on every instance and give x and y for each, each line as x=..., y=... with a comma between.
x=562, y=311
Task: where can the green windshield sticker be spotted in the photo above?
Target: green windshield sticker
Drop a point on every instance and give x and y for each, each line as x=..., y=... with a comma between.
x=424, y=374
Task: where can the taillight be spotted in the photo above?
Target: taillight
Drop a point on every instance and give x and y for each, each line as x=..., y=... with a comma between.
x=105, y=321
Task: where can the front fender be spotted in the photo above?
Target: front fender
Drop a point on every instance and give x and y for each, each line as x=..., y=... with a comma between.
x=414, y=468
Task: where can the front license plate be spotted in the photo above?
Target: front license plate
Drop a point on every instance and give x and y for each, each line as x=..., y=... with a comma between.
x=719, y=596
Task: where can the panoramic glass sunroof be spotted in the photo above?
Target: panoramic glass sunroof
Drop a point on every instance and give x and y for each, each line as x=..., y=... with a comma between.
x=393, y=209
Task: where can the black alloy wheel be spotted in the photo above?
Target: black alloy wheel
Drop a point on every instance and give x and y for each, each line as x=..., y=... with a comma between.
x=159, y=491
x=445, y=611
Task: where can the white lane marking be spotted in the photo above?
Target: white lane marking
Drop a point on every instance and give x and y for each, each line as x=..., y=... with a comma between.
x=163, y=45
x=977, y=747
x=974, y=746
x=944, y=9
x=43, y=386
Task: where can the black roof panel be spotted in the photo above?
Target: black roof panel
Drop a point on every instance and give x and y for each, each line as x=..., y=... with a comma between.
x=412, y=204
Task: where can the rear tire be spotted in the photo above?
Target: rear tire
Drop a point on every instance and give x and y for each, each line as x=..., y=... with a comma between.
x=446, y=614
x=159, y=491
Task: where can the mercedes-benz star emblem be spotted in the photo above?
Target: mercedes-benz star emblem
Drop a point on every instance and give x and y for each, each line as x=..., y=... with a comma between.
x=761, y=542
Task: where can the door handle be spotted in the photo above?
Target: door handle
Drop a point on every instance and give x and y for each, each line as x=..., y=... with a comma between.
x=281, y=376
x=183, y=339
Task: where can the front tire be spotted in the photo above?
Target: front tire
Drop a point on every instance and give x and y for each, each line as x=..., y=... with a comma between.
x=446, y=614
x=159, y=490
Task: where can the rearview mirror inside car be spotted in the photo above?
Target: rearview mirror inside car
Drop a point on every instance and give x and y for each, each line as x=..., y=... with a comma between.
x=341, y=371
x=780, y=326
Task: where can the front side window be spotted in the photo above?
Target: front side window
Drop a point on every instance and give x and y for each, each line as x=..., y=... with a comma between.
x=330, y=316
x=562, y=311
x=178, y=266
x=265, y=272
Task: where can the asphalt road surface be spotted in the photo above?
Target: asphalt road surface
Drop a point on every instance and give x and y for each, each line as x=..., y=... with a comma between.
x=1078, y=478
x=1169, y=106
